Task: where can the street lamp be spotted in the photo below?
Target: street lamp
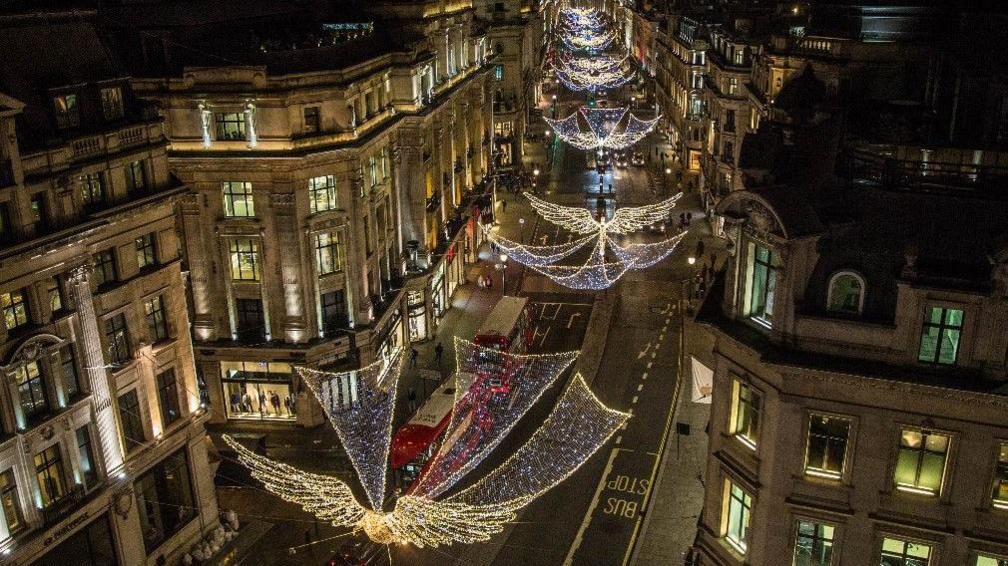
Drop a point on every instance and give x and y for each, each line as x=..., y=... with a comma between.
x=691, y=260
x=521, y=232
x=668, y=171
x=503, y=268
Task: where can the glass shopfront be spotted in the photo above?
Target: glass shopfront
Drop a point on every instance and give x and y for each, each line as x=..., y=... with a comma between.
x=417, y=313
x=389, y=335
x=258, y=390
x=453, y=279
x=91, y=546
x=439, y=294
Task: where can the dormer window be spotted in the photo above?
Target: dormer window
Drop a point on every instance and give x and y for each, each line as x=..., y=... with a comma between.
x=67, y=113
x=761, y=283
x=112, y=103
x=940, y=336
x=846, y=293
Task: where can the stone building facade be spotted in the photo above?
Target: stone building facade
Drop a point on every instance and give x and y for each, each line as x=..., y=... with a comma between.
x=332, y=209
x=103, y=458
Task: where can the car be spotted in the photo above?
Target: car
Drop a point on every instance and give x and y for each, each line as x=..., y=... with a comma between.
x=638, y=158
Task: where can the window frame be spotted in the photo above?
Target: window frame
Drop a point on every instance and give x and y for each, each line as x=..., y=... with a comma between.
x=26, y=382
x=93, y=189
x=245, y=260
x=324, y=196
x=131, y=420
x=106, y=265
x=231, y=197
x=746, y=502
x=734, y=422
x=156, y=317
x=330, y=251
x=9, y=491
x=833, y=542
x=771, y=275
x=117, y=339
x=921, y=452
x=113, y=107
x=136, y=177
x=168, y=401
x=995, y=503
x=146, y=250
x=314, y=124
x=830, y=293
x=931, y=546
x=67, y=114
x=87, y=444
x=52, y=461
x=822, y=474
x=942, y=327
x=16, y=309
x=222, y=121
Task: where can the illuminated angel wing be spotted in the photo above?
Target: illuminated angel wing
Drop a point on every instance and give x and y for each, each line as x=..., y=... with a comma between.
x=630, y=219
x=326, y=497
x=574, y=219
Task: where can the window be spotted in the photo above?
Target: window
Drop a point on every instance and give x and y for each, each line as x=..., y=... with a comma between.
x=373, y=169
x=762, y=279
x=157, y=321
x=920, y=465
x=15, y=309
x=168, y=397
x=104, y=267
x=813, y=544
x=244, y=259
x=32, y=392
x=732, y=85
x=230, y=126
x=311, y=120
x=146, y=250
x=129, y=417
x=729, y=152
x=499, y=72
x=89, y=470
x=71, y=380
x=38, y=213
x=67, y=113
x=940, y=336
x=117, y=339
x=49, y=473
x=736, y=519
x=93, y=189
x=846, y=293
x=112, y=103
x=251, y=323
x=55, y=294
x=136, y=180
x=1000, y=495
x=729, y=123
x=9, y=501
x=334, y=311
x=984, y=560
x=899, y=552
x=238, y=200
x=165, y=500
x=322, y=193
x=827, y=446
x=327, y=252
x=745, y=416
x=739, y=56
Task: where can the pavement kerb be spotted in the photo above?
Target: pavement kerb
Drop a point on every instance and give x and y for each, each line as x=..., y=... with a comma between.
x=596, y=336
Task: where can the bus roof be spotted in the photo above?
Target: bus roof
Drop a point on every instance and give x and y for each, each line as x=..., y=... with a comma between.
x=504, y=316
x=426, y=425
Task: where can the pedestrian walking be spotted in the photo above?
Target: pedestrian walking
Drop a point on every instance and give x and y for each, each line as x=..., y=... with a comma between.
x=412, y=400
x=413, y=356
x=689, y=215
x=504, y=206
x=438, y=350
x=699, y=249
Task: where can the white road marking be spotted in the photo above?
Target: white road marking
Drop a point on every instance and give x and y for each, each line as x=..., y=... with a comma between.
x=643, y=375
x=644, y=352
x=640, y=386
x=649, y=364
x=619, y=439
x=591, y=508
x=570, y=321
x=634, y=401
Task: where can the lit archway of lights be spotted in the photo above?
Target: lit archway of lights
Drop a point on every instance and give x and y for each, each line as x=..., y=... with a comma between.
x=597, y=271
x=494, y=391
x=610, y=128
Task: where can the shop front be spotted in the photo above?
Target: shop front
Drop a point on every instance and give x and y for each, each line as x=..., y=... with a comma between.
x=92, y=545
x=258, y=390
x=416, y=310
x=389, y=336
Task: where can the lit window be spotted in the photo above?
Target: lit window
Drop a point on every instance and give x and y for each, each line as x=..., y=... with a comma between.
x=112, y=103
x=322, y=193
x=31, y=390
x=920, y=466
x=813, y=544
x=745, y=416
x=104, y=266
x=117, y=339
x=1000, y=494
x=67, y=113
x=146, y=251
x=168, y=396
x=10, y=501
x=238, y=200
x=846, y=293
x=230, y=126
x=92, y=189
x=15, y=309
x=736, y=518
x=49, y=472
x=244, y=259
x=899, y=552
x=157, y=322
x=499, y=72
x=761, y=283
x=940, y=335
x=827, y=446
x=985, y=560
x=327, y=252
x=136, y=179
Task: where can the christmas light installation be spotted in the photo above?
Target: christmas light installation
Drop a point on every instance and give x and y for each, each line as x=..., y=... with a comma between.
x=592, y=73
x=612, y=128
x=498, y=388
x=598, y=271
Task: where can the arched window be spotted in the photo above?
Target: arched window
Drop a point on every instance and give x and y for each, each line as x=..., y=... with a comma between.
x=846, y=293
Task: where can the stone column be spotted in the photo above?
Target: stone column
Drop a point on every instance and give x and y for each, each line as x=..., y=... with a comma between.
x=94, y=367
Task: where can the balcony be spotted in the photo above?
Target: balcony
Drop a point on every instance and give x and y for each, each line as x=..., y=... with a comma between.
x=920, y=176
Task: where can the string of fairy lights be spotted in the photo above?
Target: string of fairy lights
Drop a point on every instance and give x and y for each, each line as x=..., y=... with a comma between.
x=494, y=390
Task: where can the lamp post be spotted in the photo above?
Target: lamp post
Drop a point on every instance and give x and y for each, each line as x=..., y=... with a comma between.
x=503, y=268
x=521, y=230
